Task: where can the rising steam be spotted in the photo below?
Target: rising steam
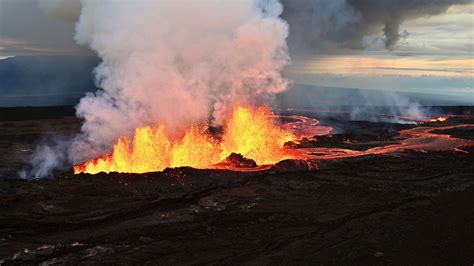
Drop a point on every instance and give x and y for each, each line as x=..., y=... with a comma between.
x=173, y=62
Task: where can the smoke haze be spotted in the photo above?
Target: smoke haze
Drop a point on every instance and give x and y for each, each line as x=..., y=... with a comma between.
x=332, y=26
x=67, y=10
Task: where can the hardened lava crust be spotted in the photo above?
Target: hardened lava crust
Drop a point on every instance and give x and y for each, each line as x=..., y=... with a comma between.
x=408, y=207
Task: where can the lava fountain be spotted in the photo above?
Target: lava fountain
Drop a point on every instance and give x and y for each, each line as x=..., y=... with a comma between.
x=253, y=133
x=249, y=131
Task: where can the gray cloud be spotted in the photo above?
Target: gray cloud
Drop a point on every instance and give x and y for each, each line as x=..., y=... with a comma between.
x=67, y=10
x=27, y=29
x=324, y=26
x=320, y=25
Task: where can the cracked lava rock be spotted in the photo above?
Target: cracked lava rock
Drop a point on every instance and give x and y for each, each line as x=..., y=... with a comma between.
x=410, y=208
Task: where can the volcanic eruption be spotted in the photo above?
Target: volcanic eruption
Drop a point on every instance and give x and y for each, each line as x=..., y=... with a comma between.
x=193, y=148
x=249, y=131
x=168, y=72
x=191, y=85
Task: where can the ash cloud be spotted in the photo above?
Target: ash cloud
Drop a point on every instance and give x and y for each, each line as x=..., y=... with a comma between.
x=331, y=26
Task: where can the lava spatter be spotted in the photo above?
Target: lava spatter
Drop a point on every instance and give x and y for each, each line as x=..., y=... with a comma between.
x=249, y=131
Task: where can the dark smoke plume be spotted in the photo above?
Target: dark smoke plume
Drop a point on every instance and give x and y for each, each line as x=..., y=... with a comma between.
x=322, y=25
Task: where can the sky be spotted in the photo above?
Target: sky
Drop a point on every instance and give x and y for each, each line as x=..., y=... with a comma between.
x=433, y=52
x=435, y=56
x=25, y=29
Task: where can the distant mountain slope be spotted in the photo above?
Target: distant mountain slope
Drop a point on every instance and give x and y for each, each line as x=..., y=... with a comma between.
x=305, y=96
x=45, y=80
x=63, y=80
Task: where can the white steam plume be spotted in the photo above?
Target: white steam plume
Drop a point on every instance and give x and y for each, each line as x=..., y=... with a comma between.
x=174, y=62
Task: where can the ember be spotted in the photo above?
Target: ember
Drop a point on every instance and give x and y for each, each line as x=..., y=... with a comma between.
x=249, y=131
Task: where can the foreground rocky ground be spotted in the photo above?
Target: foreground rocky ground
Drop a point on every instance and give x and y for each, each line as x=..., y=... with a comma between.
x=414, y=208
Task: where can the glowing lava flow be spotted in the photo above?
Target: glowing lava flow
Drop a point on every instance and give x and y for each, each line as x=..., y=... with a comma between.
x=439, y=119
x=304, y=127
x=249, y=131
x=417, y=139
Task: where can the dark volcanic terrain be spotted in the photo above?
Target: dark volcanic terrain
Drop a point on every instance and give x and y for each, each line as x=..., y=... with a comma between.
x=408, y=208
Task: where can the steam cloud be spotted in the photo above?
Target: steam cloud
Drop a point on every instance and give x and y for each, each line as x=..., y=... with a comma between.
x=172, y=62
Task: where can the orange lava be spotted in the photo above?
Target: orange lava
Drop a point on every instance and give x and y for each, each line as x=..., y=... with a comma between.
x=304, y=127
x=439, y=119
x=420, y=139
x=249, y=131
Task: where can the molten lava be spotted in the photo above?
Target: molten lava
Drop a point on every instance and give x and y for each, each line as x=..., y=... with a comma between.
x=439, y=119
x=249, y=131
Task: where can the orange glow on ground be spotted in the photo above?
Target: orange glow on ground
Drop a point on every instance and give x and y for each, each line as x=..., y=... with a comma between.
x=439, y=119
x=249, y=131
